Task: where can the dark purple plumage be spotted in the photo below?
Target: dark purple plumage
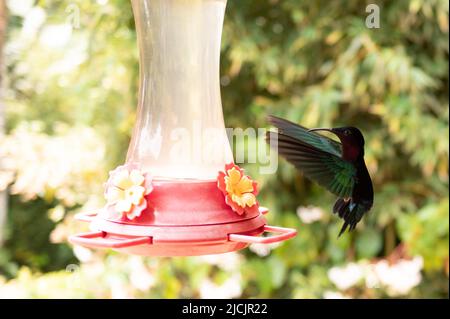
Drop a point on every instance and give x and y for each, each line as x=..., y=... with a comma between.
x=339, y=167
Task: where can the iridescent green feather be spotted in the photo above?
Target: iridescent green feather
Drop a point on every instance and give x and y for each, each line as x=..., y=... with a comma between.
x=299, y=132
x=317, y=157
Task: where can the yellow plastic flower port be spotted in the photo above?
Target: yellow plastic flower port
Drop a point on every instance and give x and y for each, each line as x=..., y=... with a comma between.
x=239, y=190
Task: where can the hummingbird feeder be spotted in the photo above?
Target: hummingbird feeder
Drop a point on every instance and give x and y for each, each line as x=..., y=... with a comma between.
x=179, y=192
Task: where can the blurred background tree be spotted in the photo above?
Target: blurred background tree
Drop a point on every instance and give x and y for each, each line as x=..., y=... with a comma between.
x=70, y=95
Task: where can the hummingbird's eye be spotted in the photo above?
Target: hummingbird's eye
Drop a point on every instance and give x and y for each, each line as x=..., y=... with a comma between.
x=347, y=132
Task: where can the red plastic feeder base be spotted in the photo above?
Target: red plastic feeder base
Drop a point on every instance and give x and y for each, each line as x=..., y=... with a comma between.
x=182, y=219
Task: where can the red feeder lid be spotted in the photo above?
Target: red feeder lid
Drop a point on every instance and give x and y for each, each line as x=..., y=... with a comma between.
x=183, y=219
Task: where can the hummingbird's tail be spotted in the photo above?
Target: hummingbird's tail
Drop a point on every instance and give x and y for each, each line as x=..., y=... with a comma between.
x=350, y=212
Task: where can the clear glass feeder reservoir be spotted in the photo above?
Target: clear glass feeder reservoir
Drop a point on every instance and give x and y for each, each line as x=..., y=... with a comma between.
x=180, y=141
x=180, y=132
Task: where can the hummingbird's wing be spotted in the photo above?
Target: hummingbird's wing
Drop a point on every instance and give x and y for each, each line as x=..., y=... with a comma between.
x=323, y=167
x=312, y=138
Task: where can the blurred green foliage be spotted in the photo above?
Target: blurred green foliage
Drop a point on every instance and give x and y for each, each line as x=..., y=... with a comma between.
x=313, y=62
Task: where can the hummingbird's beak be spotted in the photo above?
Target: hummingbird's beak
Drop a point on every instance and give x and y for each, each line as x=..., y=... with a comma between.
x=332, y=130
x=321, y=129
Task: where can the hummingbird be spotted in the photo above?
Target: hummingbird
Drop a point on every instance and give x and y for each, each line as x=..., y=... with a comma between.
x=339, y=167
